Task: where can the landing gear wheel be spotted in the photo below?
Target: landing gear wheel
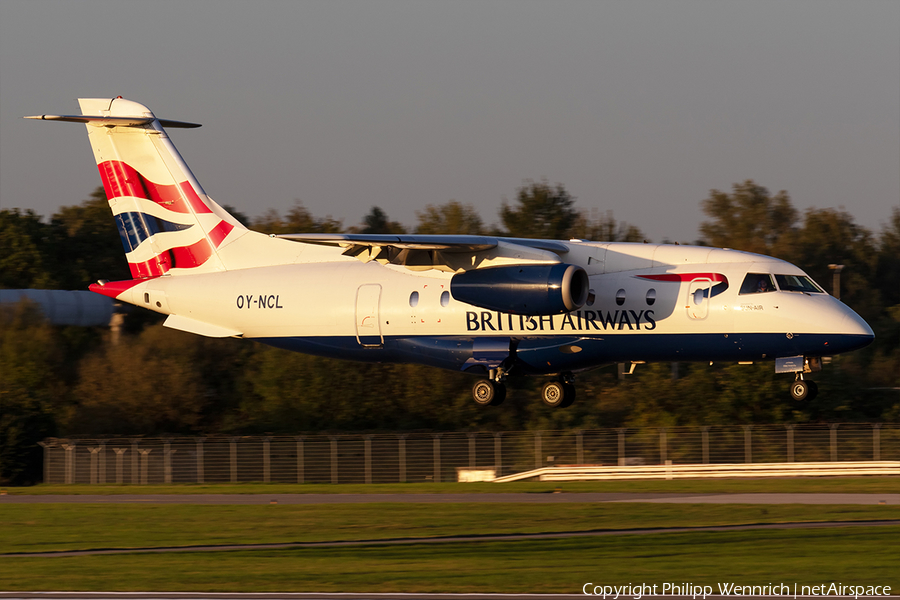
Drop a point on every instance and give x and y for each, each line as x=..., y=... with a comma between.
x=801, y=390
x=553, y=394
x=570, y=395
x=489, y=393
x=813, y=390
x=557, y=394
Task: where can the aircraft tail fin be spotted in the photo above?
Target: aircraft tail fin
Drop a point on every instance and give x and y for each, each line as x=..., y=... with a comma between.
x=167, y=223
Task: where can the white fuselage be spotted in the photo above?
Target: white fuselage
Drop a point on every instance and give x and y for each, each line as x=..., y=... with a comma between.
x=329, y=304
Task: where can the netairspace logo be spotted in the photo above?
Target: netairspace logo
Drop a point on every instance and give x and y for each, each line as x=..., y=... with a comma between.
x=638, y=591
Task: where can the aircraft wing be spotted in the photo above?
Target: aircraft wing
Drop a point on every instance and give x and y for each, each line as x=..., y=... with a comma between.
x=443, y=252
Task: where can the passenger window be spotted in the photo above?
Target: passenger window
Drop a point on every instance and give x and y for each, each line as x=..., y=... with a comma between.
x=757, y=283
x=414, y=299
x=445, y=298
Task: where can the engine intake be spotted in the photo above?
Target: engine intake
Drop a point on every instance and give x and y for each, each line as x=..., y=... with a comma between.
x=523, y=289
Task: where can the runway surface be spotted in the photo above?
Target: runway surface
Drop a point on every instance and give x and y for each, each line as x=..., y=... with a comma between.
x=537, y=498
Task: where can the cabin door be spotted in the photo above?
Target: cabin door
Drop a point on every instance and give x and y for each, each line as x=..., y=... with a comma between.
x=368, y=323
x=698, y=298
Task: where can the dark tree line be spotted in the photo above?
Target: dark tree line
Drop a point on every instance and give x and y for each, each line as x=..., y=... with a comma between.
x=74, y=381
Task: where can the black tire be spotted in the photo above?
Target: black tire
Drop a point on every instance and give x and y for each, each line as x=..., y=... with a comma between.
x=800, y=390
x=813, y=391
x=499, y=394
x=553, y=394
x=570, y=395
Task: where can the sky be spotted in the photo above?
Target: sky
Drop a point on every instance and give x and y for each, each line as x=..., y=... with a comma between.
x=638, y=107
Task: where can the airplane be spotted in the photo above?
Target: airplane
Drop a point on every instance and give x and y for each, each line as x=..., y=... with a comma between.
x=495, y=307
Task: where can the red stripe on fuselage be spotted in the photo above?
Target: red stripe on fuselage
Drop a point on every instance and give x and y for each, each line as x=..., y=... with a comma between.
x=685, y=277
x=113, y=289
x=121, y=179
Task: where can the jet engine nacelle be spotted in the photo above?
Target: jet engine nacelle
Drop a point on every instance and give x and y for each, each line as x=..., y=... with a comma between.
x=523, y=289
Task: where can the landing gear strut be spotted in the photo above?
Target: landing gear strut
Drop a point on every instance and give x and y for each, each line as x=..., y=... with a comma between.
x=803, y=389
x=558, y=394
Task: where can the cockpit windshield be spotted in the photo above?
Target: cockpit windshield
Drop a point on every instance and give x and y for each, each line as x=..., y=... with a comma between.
x=757, y=283
x=797, y=283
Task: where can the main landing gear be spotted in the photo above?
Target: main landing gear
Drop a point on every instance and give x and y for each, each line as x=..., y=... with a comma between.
x=558, y=394
x=492, y=392
x=488, y=392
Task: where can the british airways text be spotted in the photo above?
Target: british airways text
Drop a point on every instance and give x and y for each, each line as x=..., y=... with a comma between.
x=580, y=320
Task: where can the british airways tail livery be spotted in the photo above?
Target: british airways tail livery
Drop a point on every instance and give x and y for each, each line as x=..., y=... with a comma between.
x=490, y=306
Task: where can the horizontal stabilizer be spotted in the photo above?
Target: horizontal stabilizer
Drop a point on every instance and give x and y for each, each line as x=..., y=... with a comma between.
x=199, y=327
x=101, y=121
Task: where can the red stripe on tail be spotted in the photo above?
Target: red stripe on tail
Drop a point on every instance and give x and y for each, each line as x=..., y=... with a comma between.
x=187, y=257
x=220, y=232
x=181, y=257
x=121, y=179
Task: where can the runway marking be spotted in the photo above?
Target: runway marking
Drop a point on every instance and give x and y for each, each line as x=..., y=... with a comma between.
x=508, y=537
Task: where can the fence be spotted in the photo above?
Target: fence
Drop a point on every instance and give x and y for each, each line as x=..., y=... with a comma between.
x=417, y=457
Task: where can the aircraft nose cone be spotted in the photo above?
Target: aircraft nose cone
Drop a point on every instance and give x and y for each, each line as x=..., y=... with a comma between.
x=855, y=333
x=853, y=324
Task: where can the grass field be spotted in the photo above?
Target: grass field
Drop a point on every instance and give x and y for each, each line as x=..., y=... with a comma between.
x=865, y=555
x=52, y=527
x=850, y=555
x=862, y=485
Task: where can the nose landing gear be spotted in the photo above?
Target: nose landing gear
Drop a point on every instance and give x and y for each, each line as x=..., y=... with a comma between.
x=803, y=389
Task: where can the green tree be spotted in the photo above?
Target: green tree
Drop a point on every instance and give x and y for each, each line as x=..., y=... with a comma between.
x=377, y=221
x=31, y=360
x=241, y=217
x=297, y=220
x=541, y=211
x=24, y=259
x=148, y=384
x=749, y=219
x=887, y=269
x=599, y=227
x=829, y=236
x=450, y=218
x=87, y=243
